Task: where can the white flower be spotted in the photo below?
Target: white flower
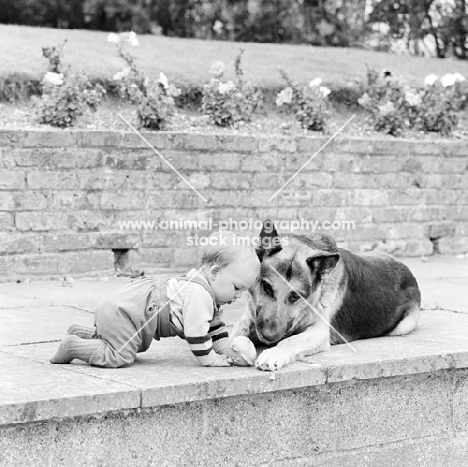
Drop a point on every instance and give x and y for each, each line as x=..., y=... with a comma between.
x=122, y=74
x=217, y=26
x=173, y=91
x=324, y=91
x=56, y=79
x=413, y=98
x=447, y=80
x=315, y=82
x=284, y=96
x=133, y=39
x=364, y=100
x=429, y=80
x=224, y=88
x=458, y=77
x=113, y=38
x=387, y=109
x=163, y=80
x=217, y=68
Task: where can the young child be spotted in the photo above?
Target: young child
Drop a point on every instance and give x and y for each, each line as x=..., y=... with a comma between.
x=126, y=322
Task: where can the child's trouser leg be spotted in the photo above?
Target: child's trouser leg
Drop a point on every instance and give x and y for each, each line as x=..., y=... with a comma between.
x=80, y=330
x=75, y=347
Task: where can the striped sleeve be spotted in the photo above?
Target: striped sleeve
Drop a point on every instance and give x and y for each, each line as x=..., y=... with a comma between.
x=197, y=314
x=218, y=333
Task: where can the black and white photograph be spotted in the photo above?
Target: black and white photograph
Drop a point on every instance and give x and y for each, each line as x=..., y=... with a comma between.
x=234, y=233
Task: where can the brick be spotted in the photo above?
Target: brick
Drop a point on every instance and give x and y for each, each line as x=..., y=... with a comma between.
x=214, y=162
x=130, y=160
x=304, y=181
x=453, y=165
x=424, y=213
x=117, y=240
x=439, y=229
x=69, y=241
x=72, y=200
x=51, y=158
x=7, y=221
x=162, y=238
x=125, y=180
x=364, y=197
x=364, y=232
x=453, y=245
x=165, y=181
x=29, y=200
x=181, y=160
x=84, y=262
x=41, y=221
x=152, y=257
x=65, y=180
x=90, y=179
x=186, y=256
x=227, y=181
x=7, y=160
x=269, y=144
x=197, y=180
x=124, y=199
x=7, y=201
x=84, y=158
x=20, y=243
x=284, y=198
x=391, y=214
x=406, y=197
x=442, y=196
x=177, y=198
x=12, y=179
x=266, y=162
x=420, y=247
x=423, y=408
x=85, y=220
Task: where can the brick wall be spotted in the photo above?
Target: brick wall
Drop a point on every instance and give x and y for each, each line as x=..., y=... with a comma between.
x=63, y=193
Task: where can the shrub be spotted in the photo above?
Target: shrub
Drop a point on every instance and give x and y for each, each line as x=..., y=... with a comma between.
x=309, y=104
x=228, y=103
x=67, y=97
x=155, y=98
x=394, y=106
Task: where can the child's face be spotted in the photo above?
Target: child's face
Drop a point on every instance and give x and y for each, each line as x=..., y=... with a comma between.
x=230, y=281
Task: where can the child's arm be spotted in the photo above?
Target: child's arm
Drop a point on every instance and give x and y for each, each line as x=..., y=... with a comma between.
x=219, y=334
x=197, y=314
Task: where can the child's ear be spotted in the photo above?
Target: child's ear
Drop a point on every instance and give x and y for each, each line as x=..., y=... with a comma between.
x=214, y=270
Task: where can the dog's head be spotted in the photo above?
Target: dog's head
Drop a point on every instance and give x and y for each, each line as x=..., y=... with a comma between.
x=289, y=288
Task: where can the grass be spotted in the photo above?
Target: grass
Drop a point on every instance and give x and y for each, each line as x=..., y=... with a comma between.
x=187, y=61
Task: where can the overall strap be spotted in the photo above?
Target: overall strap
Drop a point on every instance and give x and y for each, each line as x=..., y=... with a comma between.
x=201, y=282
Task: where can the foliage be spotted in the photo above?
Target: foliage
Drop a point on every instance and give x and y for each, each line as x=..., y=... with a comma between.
x=394, y=106
x=155, y=98
x=228, y=103
x=67, y=97
x=309, y=104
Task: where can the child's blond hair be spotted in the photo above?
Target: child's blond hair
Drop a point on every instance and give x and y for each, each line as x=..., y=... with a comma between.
x=224, y=247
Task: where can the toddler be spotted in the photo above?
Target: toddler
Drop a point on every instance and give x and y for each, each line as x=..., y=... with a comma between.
x=127, y=321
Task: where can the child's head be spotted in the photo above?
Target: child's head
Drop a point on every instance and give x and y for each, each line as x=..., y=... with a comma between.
x=231, y=264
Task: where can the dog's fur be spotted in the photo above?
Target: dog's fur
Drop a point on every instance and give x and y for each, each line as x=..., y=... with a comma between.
x=311, y=295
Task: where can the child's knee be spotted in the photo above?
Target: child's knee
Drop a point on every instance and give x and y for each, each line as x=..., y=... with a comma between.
x=106, y=356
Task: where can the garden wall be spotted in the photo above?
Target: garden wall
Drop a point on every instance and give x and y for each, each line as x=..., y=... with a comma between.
x=63, y=194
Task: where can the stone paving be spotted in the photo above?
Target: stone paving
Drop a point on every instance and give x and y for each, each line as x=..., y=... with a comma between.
x=36, y=315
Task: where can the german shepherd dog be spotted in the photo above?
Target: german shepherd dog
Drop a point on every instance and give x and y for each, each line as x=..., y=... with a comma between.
x=312, y=294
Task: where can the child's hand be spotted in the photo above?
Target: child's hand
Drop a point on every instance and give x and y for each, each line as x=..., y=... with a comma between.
x=221, y=360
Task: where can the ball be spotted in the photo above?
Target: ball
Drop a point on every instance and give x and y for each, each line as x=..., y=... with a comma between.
x=242, y=351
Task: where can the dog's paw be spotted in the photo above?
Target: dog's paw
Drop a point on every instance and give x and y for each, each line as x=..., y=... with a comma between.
x=273, y=359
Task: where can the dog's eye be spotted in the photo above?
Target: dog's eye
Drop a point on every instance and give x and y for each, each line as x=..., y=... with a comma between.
x=294, y=297
x=268, y=289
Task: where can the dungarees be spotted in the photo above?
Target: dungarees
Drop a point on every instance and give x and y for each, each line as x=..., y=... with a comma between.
x=132, y=316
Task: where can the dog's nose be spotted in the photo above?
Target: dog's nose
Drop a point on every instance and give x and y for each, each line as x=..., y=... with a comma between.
x=269, y=330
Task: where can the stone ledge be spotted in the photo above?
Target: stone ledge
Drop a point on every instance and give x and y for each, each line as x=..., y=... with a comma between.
x=168, y=374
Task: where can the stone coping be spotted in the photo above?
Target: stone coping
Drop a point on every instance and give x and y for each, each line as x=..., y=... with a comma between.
x=211, y=141
x=36, y=315
x=33, y=390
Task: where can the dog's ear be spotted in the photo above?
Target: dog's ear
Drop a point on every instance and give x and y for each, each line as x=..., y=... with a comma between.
x=270, y=241
x=323, y=262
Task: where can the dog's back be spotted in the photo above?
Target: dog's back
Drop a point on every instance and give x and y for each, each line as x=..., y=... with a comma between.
x=380, y=294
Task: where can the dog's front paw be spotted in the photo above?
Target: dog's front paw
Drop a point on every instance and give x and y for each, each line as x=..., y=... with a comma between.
x=273, y=359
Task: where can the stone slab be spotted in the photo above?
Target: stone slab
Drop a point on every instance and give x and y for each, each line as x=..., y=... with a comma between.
x=31, y=391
